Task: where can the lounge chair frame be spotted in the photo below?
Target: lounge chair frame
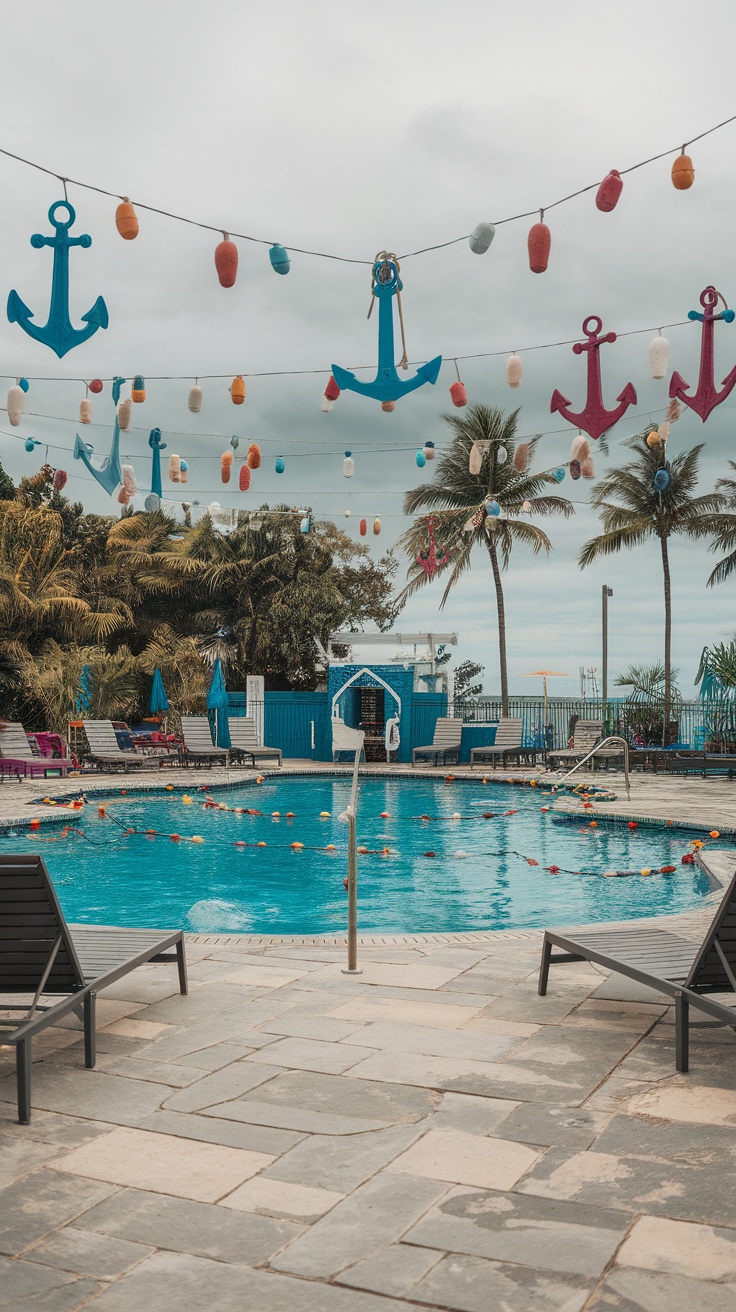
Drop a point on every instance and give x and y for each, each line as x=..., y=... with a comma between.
x=41, y=955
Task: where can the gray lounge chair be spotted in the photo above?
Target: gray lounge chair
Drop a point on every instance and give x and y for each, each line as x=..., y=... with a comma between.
x=585, y=736
x=507, y=743
x=680, y=968
x=446, y=741
x=41, y=957
x=244, y=740
x=105, y=750
x=16, y=756
x=198, y=744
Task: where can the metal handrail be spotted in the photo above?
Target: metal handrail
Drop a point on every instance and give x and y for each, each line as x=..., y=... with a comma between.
x=351, y=815
x=614, y=738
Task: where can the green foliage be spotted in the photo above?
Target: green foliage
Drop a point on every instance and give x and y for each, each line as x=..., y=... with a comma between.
x=644, y=709
x=464, y=675
x=7, y=486
x=717, y=678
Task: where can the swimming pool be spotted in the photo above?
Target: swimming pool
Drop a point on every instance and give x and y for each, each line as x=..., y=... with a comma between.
x=485, y=870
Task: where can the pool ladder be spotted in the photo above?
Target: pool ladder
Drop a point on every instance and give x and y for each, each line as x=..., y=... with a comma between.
x=598, y=747
x=351, y=815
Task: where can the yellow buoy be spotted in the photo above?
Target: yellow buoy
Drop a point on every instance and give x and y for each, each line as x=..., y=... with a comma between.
x=197, y=838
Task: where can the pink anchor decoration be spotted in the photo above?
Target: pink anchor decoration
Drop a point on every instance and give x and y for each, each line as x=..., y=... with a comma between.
x=707, y=396
x=429, y=563
x=594, y=420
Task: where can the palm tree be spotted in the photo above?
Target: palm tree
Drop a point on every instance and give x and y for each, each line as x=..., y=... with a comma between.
x=724, y=532
x=455, y=494
x=633, y=510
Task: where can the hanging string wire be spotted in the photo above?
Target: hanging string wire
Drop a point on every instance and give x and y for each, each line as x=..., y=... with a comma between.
x=344, y=259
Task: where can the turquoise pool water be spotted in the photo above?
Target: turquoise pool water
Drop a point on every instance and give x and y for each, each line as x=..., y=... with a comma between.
x=479, y=876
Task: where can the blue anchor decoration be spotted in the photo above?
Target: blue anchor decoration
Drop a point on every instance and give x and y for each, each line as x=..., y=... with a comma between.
x=109, y=473
x=59, y=332
x=387, y=386
x=157, y=446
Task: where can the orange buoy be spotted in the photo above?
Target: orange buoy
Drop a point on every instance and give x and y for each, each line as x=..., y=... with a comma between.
x=126, y=220
x=226, y=261
x=253, y=458
x=175, y=838
x=683, y=173
x=363, y=528
x=237, y=390
x=35, y=823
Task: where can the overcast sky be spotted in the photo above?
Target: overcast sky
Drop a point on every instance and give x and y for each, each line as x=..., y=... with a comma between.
x=350, y=129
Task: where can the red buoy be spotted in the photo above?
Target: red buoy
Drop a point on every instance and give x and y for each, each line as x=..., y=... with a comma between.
x=363, y=528
x=226, y=261
x=539, y=242
x=609, y=191
x=96, y=385
x=458, y=394
x=244, y=478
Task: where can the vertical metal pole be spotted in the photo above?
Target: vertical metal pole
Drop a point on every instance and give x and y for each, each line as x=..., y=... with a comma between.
x=605, y=594
x=351, y=810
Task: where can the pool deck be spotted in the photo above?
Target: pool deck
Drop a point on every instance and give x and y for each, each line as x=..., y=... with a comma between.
x=430, y=1133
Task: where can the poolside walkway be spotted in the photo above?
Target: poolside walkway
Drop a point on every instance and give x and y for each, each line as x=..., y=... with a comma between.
x=430, y=1133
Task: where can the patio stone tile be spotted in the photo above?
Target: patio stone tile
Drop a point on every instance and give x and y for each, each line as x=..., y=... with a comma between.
x=158, y=1072
x=233, y=1134
x=51, y=1128
x=463, y=1158
x=435, y=997
x=483, y=1024
x=493, y=1080
x=376, y=1214
x=301, y=1120
x=184, y=1226
x=572, y=1127
x=204, y=1003
x=411, y=1012
x=539, y=1232
x=230, y=1082
x=88, y=1254
x=482, y=983
x=92, y=1093
x=40, y=1203
x=309, y=1055
x=465, y=1111
x=199, y=1283
x=525, y=1004
x=394, y=1270
x=293, y=1202
x=212, y=1059
x=160, y=1162
x=414, y=976
x=700, y=1252
x=341, y=1163
x=389, y=1036
x=687, y=1103
x=137, y=1029
x=659, y=1185
x=330, y=1104
x=473, y=1284
x=641, y=1291
x=39, y=1289
x=687, y=1142
x=19, y=1156
x=302, y=1023
x=262, y=976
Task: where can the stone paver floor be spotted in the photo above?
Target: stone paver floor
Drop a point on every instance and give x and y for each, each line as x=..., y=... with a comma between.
x=428, y=1134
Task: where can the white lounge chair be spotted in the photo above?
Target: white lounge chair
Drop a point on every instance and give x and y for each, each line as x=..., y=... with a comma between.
x=105, y=750
x=198, y=745
x=446, y=741
x=244, y=740
x=345, y=739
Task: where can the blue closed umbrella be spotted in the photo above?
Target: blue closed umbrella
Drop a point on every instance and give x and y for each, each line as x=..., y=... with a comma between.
x=158, y=702
x=83, y=696
x=217, y=701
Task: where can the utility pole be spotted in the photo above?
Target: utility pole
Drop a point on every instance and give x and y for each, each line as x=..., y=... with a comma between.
x=605, y=594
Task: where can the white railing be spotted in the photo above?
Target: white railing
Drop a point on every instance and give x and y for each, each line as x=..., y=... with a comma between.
x=351, y=815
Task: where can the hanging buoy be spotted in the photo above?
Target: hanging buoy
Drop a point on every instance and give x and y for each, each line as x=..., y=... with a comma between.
x=235, y=442
x=126, y=220
x=280, y=465
x=23, y=384
x=662, y=480
x=429, y=451
x=502, y=455
x=85, y=411
x=558, y=475
x=304, y=526
x=659, y=354
x=481, y=238
x=348, y=465
x=15, y=403
x=124, y=410
x=458, y=394
x=580, y=447
x=244, y=478
x=526, y=507
x=539, y=242
x=253, y=458
x=123, y=496
x=664, y=431
x=673, y=411
x=493, y=508
x=388, y=407
x=574, y=470
x=152, y=502
x=96, y=385
x=475, y=459
x=609, y=191
x=237, y=390
x=587, y=468
x=653, y=439
x=330, y=395
x=226, y=261
x=183, y=468
x=130, y=483
x=348, y=513
x=279, y=257
x=175, y=468
x=363, y=528
x=683, y=173
x=30, y=444
x=377, y=525
x=194, y=400
x=138, y=390
x=513, y=370
x=226, y=464
x=420, y=458
x=521, y=457
x=59, y=479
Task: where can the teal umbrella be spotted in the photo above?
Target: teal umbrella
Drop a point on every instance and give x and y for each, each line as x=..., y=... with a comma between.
x=83, y=696
x=217, y=701
x=158, y=702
